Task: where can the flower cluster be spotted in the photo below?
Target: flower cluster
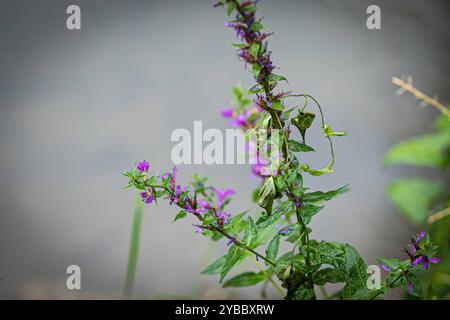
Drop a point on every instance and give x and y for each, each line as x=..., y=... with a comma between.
x=416, y=252
x=420, y=253
x=211, y=208
x=242, y=118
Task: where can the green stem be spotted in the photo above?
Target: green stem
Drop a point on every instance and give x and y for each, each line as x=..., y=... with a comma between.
x=134, y=247
x=269, y=277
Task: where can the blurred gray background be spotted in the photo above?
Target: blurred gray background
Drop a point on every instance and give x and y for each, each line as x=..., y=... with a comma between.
x=79, y=107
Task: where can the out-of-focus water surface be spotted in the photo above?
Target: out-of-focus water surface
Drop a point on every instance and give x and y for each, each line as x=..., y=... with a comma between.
x=79, y=107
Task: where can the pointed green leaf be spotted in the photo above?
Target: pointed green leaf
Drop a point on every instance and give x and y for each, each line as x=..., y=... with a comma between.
x=414, y=196
x=272, y=248
x=426, y=150
x=182, y=214
x=215, y=267
x=245, y=279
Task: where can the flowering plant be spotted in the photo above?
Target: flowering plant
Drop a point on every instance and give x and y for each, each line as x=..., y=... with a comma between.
x=287, y=205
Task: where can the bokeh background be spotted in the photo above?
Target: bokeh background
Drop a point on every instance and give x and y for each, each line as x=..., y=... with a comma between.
x=79, y=107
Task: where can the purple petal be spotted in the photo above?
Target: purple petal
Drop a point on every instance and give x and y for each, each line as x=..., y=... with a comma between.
x=284, y=230
x=143, y=166
x=417, y=261
x=434, y=260
x=385, y=267
x=410, y=287
x=227, y=112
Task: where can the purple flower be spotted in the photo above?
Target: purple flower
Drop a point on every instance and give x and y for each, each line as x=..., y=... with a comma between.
x=148, y=196
x=222, y=196
x=420, y=237
x=385, y=267
x=143, y=166
x=410, y=287
x=176, y=197
x=227, y=112
x=425, y=261
x=239, y=121
x=198, y=210
x=230, y=241
x=198, y=230
x=223, y=215
x=284, y=230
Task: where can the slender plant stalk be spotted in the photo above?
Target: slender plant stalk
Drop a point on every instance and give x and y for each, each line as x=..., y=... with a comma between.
x=438, y=216
x=134, y=247
x=408, y=87
x=269, y=277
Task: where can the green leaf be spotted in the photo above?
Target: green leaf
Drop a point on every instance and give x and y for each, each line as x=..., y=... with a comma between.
x=239, y=45
x=254, y=50
x=443, y=123
x=182, y=214
x=274, y=77
x=303, y=122
x=267, y=194
x=295, y=146
x=366, y=294
x=230, y=7
x=277, y=105
x=356, y=272
x=320, y=196
x=215, y=267
x=308, y=211
x=390, y=263
x=414, y=196
x=327, y=252
x=318, y=172
x=245, y=279
x=329, y=275
x=417, y=289
x=426, y=150
x=256, y=26
x=235, y=255
x=272, y=248
x=295, y=181
x=251, y=234
x=328, y=132
x=236, y=223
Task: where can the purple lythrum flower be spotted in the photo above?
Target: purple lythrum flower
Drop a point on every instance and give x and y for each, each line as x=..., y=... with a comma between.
x=385, y=267
x=223, y=195
x=143, y=166
x=227, y=112
x=148, y=196
x=284, y=230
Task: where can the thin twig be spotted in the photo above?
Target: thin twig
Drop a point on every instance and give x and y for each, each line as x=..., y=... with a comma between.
x=438, y=216
x=427, y=100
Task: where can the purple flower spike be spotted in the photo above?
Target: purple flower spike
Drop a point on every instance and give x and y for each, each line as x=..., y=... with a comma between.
x=385, y=267
x=143, y=166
